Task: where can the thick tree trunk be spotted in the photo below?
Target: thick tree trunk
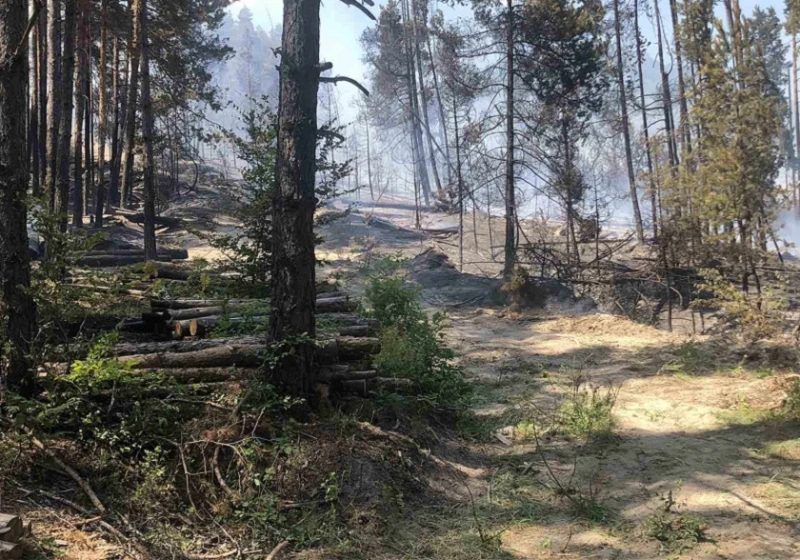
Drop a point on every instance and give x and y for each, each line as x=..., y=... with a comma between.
x=67, y=86
x=81, y=47
x=19, y=317
x=442, y=116
x=510, y=195
x=53, y=97
x=626, y=129
x=131, y=101
x=294, y=202
x=147, y=137
x=102, y=115
x=646, y=131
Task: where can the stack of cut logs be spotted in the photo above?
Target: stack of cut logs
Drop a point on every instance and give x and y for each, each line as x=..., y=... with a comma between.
x=198, y=317
x=344, y=361
x=124, y=257
x=11, y=531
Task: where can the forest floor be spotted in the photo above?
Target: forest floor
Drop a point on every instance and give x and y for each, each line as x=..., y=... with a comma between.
x=697, y=460
x=698, y=465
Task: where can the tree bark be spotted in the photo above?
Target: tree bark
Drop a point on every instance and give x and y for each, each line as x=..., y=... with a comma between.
x=67, y=86
x=33, y=107
x=293, y=262
x=131, y=101
x=102, y=114
x=796, y=95
x=53, y=97
x=118, y=102
x=147, y=137
x=510, y=195
x=666, y=98
x=80, y=106
x=645, y=128
x=683, y=127
x=442, y=117
x=19, y=317
x=460, y=191
x=42, y=89
x=626, y=131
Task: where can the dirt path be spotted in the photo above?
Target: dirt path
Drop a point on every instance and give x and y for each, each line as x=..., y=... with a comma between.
x=695, y=442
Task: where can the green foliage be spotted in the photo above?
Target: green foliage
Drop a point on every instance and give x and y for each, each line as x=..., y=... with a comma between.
x=676, y=533
x=587, y=414
x=412, y=344
x=690, y=359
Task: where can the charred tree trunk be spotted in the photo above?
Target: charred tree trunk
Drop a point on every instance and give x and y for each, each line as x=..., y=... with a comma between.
x=134, y=48
x=102, y=115
x=293, y=260
x=796, y=96
x=442, y=117
x=147, y=137
x=683, y=127
x=53, y=97
x=666, y=99
x=42, y=77
x=626, y=129
x=67, y=87
x=460, y=192
x=19, y=317
x=510, y=195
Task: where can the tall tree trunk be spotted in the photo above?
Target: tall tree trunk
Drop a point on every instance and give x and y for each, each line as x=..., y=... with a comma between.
x=510, y=195
x=134, y=48
x=460, y=192
x=424, y=95
x=67, y=86
x=33, y=107
x=796, y=96
x=102, y=114
x=683, y=129
x=19, y=312
x=80, y=105
x=42, y=77
x=53, y=97
x=626, y=130
x=666, y=99
x=293, y=261
x=118, y=102
x=418, y=146
x=147, y=137
x=88, y=135
x=442, y=117
x=369, y=162
x=645, y=129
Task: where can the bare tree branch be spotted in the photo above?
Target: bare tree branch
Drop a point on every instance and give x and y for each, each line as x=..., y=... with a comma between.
x=356, y=4
x=337, y=79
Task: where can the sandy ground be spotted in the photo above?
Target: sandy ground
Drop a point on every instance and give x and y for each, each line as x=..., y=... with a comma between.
x=697, y=439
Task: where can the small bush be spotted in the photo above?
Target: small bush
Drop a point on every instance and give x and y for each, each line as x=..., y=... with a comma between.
x=676, y=533
x=412, y=344
x=587, y=414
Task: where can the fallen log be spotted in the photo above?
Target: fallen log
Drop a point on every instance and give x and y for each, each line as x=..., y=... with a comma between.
x=204, y=374
x=134, y=326
x=161, y=221
x=176, y=254
x=193, y=313
x=366, y=386
x=347, y=348
x=108, y=261
x=327, y=374
x=180, y=346
x=358, y=331
x=201, y=326
x=166, y=272
x=341, y=304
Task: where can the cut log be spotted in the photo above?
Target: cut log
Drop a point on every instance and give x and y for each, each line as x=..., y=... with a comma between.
x=220, y=356
x=365, y=386
x=347, y=348
x=329, y=374
x=204, y=374
x=180, y=346
x=10, y=551
x=358, y=331
x=11, y=528
x=194, y=303
x=175, y=254
x=166, y=272
x=108, y=261
x=231, y=308
x=337, y=305
x=134, y=326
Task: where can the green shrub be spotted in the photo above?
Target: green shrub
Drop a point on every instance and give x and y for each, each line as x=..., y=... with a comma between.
x=587, y=414
x=676, y=533
x=412, y=344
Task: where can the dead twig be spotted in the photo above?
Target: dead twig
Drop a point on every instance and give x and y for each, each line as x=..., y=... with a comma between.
x=277, y=550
